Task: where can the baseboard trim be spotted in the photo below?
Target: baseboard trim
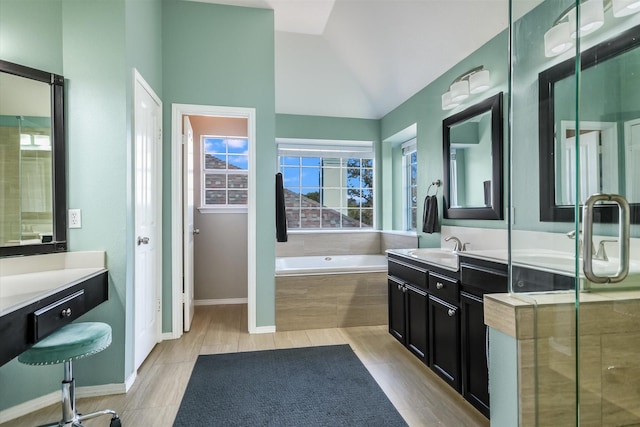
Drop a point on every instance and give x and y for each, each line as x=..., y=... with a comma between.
x=129, y=382
x=264, y=330
x=220, y=301
x=169, y=336
x=54, y=397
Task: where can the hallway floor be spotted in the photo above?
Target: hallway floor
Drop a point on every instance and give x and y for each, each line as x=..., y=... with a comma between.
x=418, y=394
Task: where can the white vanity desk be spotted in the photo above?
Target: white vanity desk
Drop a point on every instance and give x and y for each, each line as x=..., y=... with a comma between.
x=41, y=293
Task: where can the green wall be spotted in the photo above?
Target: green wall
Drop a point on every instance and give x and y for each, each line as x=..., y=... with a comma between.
x=529, y=61
x=224, y=55
x=88, y=43
x=425, y=109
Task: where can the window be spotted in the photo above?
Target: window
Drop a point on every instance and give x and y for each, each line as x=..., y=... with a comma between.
x=410, y=162
x=225, y=163
x=328, y=186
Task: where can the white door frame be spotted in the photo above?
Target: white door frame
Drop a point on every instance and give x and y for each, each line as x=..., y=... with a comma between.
x=177, y=111
x=139, y=80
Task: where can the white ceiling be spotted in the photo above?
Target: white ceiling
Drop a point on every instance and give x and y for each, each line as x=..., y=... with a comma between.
x=363, y=58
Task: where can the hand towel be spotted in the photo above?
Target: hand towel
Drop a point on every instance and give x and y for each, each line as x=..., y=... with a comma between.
x=430, y=215
x=281, y=217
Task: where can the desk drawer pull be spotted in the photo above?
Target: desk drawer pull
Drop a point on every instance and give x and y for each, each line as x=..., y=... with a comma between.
x=439, y=285
x=451, y=312
x=66, y=312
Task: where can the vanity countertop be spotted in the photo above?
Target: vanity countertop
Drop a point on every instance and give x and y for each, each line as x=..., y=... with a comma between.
x=35, y=290
x=20, y=290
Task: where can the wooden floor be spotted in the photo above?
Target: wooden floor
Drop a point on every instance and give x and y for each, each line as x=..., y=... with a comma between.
x=418, y=394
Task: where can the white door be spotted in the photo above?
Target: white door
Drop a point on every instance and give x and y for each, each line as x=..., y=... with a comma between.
x=589, y=169
x=632, y=160
x=148, y=200
x=188, y=228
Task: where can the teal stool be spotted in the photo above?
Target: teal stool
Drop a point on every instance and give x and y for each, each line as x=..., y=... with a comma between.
x=68, y=343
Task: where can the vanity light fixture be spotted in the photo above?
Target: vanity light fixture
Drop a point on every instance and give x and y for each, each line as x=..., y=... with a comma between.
x=559, y=38
x=473, y=81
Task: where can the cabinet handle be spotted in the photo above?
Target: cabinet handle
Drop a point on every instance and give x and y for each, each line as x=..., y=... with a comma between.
x=451, y=312
x=399, y=287
x=66, y=312
x=439, y=285
x=404, y=289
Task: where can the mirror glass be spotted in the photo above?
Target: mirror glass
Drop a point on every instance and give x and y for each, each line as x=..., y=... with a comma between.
x=609, y=131
x=30, y=147
x=472, y=160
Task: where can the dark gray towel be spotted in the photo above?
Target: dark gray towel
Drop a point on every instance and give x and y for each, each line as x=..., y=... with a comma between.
x=430, y=215
x=281, y=217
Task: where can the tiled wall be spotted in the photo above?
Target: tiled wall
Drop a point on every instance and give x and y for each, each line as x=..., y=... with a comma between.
x=343, y=243
x=9, y=184
x=331, y=301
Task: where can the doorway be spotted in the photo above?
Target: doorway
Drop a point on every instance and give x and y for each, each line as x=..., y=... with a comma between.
x=202, y=118
x=148, y=218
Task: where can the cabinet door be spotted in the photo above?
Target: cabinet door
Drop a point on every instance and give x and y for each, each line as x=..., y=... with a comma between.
x=444, y=334
x=417, y=321
x=396, y=309
x=475, y=375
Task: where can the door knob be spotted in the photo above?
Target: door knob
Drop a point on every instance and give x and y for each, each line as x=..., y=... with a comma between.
x=143, y=240
x=196, y=231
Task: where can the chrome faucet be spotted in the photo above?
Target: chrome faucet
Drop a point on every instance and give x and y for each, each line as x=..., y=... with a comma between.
x=601, y=254
x=572, y=235
x=459, y=246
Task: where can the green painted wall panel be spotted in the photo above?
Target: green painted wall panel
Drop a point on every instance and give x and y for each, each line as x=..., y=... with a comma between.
x=425, y=109
x=31, y=33
x=224, y=56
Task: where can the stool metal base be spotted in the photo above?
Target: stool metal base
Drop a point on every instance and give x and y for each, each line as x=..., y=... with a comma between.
x=71, y=418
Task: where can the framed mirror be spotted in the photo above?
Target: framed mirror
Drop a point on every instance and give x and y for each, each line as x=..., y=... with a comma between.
x=32, y=151
x=609, y=130
x=472, y=160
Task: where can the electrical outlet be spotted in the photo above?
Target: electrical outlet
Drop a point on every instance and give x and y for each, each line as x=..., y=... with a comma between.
x=75, y=218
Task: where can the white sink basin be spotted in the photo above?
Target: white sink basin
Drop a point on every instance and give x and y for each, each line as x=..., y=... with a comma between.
x=437, y=256
x=562, y=261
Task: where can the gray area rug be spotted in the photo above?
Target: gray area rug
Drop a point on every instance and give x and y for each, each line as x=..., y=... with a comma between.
x=313, y=386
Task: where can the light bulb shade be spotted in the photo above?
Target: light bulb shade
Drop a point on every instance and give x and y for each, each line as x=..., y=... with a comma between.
x=479, y=82
x=557, y=39
x=447, y=102
x=591, y=17
x=625, y=7
x=459, y=91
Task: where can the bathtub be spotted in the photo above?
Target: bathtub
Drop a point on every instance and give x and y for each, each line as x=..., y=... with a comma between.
x=318, y=292
x=330, y=264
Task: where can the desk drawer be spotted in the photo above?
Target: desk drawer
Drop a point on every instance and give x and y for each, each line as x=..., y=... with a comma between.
x=57, y=314
x=409, y=273
x=443, y=287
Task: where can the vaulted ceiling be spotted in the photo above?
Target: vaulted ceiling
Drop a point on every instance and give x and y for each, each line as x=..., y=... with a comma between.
x=363, y=58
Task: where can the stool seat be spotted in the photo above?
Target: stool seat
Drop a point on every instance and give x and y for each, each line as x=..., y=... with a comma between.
x=73, y=341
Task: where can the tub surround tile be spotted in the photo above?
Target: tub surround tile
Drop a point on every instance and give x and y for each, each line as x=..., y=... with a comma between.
x=330, y=301
x=330, y=243
x=545, y=328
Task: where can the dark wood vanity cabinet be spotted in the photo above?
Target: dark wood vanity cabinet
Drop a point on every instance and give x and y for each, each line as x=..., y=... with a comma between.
x=408, y=307
x=477, y=277
x=444, y=328
x=438, y=315
x=474, y=335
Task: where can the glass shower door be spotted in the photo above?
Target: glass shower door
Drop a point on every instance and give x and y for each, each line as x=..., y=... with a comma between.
x=575, y=121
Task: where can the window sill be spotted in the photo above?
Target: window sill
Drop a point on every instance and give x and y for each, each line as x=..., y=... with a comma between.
x=223, y=209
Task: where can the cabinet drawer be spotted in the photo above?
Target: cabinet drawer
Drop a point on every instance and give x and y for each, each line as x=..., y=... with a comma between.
x=483, y=279
x=443, y=287
x=57, y=314
x=409, y=273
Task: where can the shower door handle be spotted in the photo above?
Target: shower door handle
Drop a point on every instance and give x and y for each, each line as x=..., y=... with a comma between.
x=623, y=240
